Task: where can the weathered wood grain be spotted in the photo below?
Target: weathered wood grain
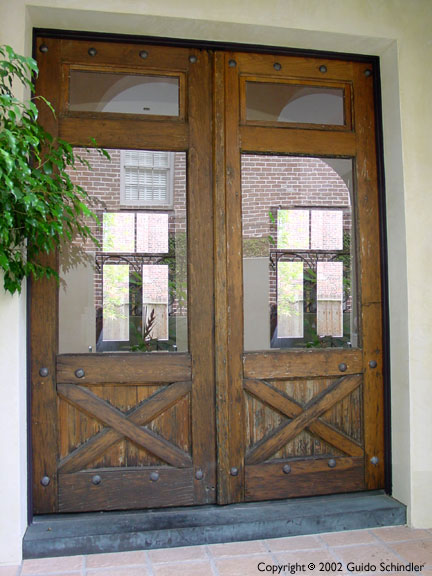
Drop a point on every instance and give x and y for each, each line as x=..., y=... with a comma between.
x=124, y=368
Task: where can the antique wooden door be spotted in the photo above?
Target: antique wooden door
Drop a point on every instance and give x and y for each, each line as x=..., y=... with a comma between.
x=223, y=341
x=301, y=390
x=115, y=427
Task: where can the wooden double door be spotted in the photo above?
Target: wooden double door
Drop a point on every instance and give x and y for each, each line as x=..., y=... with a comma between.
x=244, y=188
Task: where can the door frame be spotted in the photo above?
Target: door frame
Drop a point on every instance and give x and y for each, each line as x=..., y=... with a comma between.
x=225, y=47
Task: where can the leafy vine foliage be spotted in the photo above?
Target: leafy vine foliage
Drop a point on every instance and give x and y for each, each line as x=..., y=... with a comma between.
x=40, y=205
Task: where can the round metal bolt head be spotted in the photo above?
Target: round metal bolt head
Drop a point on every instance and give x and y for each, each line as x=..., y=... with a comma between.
x=323, y=69
x=286, y=469
x=45, y=481
x=192, y=59
x=199, y=474
x=372, y=364
x=92, y=51
x=154, y=476
x=374, y=460
x=79, y=373
x=43, y=372
x=368, y=73
x=234, y=471
x=232, y=63
x=332, y=463
x=342, y=367
x=277, y=66
x=96, y=479
x=143, y=54
x=43, y=48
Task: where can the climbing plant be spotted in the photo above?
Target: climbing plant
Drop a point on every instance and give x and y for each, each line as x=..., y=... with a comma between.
x=40, y=205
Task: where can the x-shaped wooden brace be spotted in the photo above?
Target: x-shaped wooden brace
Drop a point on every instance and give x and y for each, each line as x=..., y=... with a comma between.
x=121, y=425
x=307, y=417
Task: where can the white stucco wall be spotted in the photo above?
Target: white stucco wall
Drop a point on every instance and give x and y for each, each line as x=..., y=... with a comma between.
x=399, y=31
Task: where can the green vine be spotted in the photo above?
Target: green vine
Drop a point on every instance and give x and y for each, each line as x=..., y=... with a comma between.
x=40, y=205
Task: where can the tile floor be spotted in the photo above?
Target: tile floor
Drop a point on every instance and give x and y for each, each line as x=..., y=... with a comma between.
x=351, y=552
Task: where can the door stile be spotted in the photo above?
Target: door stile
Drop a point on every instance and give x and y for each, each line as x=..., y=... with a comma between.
x=201, y=286
x=370, y=279
x=230, y=405
x=43, y=319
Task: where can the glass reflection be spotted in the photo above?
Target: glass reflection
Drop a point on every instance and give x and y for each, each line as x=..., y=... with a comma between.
x=130, y=292
x=299, y=281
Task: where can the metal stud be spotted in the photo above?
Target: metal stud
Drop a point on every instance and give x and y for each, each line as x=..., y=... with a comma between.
x=154, y=476
x=332, y=463
x=192, y=59
x=368, y=72
x=234, y=471
x=374, y=460
x=45, y=481
x=143, y=54
x=232, y=63
x=79, y=373
x=372, y=364
x=199, y=474
x=96, y=479
x=342, y=367
x=92, y=51
x=43, y=372
x=43, y=48
x=286, y=469
x=323, y=68
x=277, y=66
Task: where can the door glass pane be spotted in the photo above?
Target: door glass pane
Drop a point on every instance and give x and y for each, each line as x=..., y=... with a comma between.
x=123, y=93
x=298, y=245
x=130, y=292
x=302, y=104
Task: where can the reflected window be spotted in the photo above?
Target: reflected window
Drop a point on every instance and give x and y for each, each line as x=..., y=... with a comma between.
x=147, y=178
x=130, y=292
x=299, y=280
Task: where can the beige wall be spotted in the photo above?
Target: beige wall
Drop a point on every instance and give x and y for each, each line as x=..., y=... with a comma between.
x=399, y=31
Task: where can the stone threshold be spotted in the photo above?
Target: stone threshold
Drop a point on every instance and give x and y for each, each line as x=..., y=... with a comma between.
x=101, y=532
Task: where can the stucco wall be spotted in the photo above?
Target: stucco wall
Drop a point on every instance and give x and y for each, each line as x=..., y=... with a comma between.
x=399, y=31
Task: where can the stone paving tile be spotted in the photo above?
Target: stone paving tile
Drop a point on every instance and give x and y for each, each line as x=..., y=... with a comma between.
x=357, y=557
x=119, y=571
x=242, y=565
x=116, y=559
x=348, y=538
x=47, y=566
x=308, y=561
x=294, y=543
x=417, y=551
x=9, y=570
x=237, y=548
x=197, y=568
x=177, y=554
x=395, y=533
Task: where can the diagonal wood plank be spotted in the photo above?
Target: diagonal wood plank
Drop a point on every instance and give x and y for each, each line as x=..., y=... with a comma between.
x=275, y=399
x=97, y=408
x=140, y=415
x=313, y=410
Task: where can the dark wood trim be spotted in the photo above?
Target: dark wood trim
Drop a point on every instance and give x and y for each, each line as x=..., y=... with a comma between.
x=306, y=363
x=125, y=369
x=121, y=489
x=200, y=276
x=201, y=44
x=268, y=480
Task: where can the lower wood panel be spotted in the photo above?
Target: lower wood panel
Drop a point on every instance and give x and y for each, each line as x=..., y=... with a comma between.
x=310, y=477
x=123, y=489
